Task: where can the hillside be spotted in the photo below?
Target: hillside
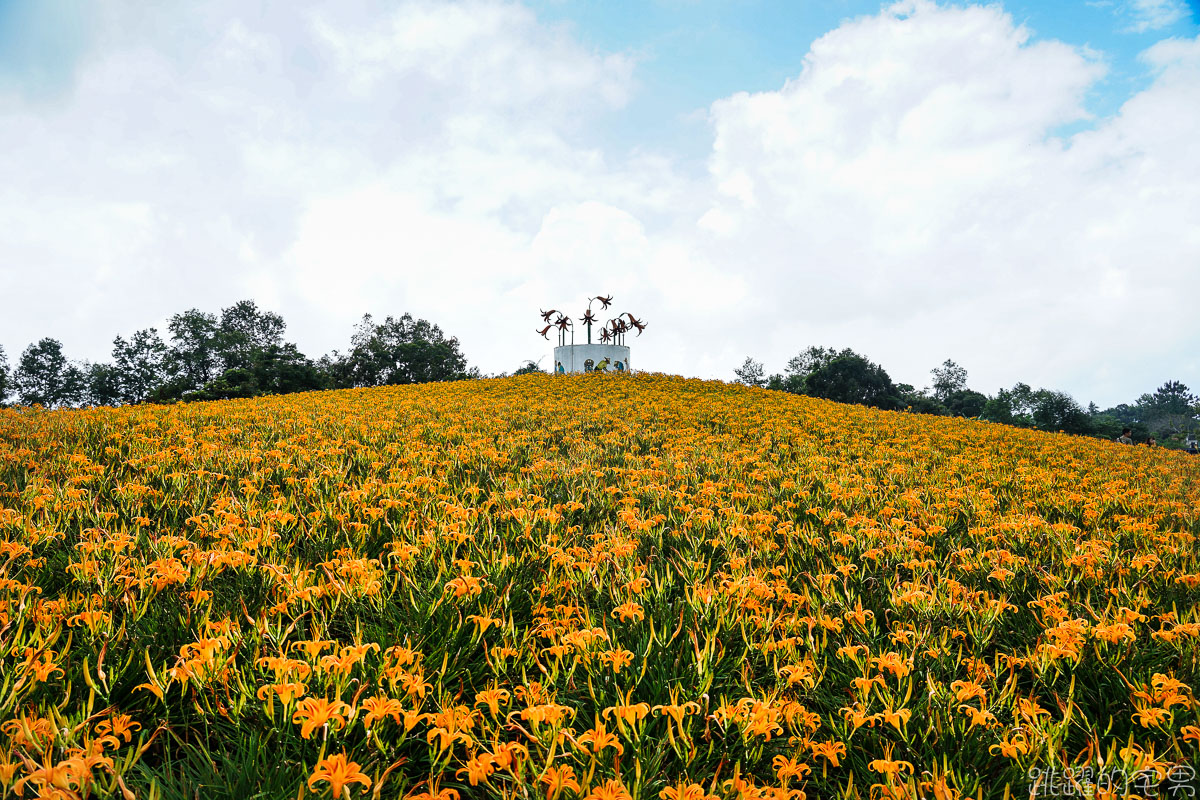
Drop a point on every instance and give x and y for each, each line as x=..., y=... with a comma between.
x=555, y=586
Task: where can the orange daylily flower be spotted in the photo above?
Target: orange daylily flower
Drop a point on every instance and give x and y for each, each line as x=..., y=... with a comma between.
x=340, y=773
x=314, y=712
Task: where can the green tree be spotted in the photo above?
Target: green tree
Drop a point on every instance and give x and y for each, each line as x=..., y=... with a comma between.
x=851, y=378
x=917, y=401
x=1171, y=409
x=1027, y=407
x=751, y=373
x=45, y=377
x=239, y=354
x=194, y=358
x=4, y=376
x=809, y=361
x=799, y=367
x=787, y=382
x=275, y=369
x=948, y=379
x=253, y=358
x=1173, y=397
x=529, y=367
x=397, y=351
x=141, y=364
x=966, y=403
x=101, y=385
x=844, y=376
x=1011, y=406
x=244, y=331
x=1106, y=425
x=1058, y=411
x=1125, y=413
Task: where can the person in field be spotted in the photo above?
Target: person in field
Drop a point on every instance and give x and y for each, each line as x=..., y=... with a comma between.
x=1125, y=437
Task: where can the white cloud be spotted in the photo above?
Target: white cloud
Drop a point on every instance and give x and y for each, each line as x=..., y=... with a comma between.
x=911, y=199
x=483, y=54
x=350, y=158
x=906, y=194
x=1153, y=15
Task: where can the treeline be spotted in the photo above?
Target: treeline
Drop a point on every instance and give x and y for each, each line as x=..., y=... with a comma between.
x=240, y=352
x=1170, y=414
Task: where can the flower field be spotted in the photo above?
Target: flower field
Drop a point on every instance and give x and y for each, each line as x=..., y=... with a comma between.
x=585, y=587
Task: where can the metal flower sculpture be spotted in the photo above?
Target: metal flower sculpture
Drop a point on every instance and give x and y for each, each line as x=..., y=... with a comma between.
x=613, y=331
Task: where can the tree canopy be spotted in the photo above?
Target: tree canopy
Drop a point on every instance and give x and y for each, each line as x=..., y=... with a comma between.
x=1171, y=412
x=4, y=379
x=398, y=350
x=841, y=375
x=240, y=352
x=141, y=364
x=45, y=377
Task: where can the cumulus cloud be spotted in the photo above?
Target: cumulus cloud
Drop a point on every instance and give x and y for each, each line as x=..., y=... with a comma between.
x=909, y=193
x=348, y=158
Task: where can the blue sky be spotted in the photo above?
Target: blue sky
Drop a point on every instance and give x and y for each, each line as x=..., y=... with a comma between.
x=692, y=52
x=1012, y=186
x=41, y=44
x=689, y=52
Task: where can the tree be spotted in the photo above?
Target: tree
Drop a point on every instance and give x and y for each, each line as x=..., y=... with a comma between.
x=1171, y=409
x=851, y=378
x=276, y=369
x=1106, y=425
x=1011, y=406
x=841, y=375
x=283, y=369
x=194, y=358
x=790, y=382
x=917, y=401
x=529, y=367
x=810, y=360
x=4, y=379
x=1048, y=410
x=397, y=351
x=101, y=385
x=966, y=403
x=45, y=377
x=844, y=376
x=799, y=367
x=1173, y=397
x=1125, y=413
x=1058, y=411
x=244, y=330
x=751, y=373
x=948, y=379
x=141, y=364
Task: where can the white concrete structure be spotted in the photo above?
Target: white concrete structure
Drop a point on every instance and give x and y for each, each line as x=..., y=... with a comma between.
x=573, y=358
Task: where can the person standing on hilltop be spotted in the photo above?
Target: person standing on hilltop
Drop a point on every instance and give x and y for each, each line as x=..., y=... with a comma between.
x=1125, y=437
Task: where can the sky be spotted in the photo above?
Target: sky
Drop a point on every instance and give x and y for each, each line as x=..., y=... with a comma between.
x=1014, y=186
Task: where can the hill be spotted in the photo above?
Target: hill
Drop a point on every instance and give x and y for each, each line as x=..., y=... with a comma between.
x=598, y=586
